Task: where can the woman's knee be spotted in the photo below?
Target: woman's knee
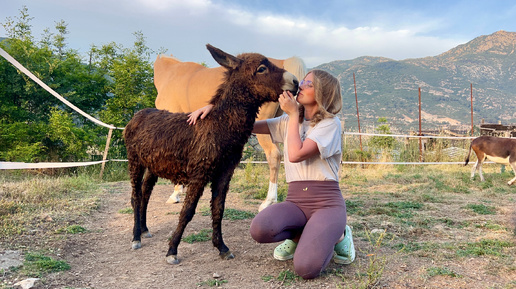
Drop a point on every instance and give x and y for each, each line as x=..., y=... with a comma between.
x=259, y=233
x=311, y=260
x=307, y=270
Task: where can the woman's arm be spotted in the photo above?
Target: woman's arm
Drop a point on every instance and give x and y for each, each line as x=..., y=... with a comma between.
x=298, y=150
x=260, y=126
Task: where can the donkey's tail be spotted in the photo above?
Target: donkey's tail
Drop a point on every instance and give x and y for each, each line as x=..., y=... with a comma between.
x=467, y=156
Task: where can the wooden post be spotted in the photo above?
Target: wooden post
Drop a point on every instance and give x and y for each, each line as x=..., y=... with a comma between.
x=343, y=127
x=358, y=115
x=106, y=152
x=471, y=90
x=420, y=145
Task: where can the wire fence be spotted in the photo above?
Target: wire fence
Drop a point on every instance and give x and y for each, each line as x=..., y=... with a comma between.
x=375, y=148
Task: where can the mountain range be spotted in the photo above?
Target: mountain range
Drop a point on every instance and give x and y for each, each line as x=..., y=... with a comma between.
x=484, y=68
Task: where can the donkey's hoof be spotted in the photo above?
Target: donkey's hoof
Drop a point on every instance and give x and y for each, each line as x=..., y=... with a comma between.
x=227, y=256
x=136, y=245
x=172, y=259
x=146, y=234
x=266, y=203
x=173, y=199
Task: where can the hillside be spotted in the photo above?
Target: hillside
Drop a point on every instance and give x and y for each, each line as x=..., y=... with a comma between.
x=389, y=88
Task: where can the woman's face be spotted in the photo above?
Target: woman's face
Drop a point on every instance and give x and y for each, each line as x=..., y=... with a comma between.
x=306, y=94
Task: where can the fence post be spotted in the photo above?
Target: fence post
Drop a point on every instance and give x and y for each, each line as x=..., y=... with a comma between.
x=471, y=90
x=358, y=114
x=420, y=145
x=106, y=152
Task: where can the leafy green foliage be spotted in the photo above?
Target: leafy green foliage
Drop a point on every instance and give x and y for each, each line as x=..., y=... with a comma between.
x=36, y=126
x=382, y=142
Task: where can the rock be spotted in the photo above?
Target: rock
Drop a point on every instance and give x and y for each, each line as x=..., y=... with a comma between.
x=27, y=283
x=9, y=259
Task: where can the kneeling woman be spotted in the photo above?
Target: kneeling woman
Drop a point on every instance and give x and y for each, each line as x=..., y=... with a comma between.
x=312, y=219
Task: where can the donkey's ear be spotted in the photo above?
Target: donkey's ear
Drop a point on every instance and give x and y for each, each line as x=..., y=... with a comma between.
x=227, y=60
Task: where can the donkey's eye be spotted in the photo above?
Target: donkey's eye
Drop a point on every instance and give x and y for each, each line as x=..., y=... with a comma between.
x=261, y=69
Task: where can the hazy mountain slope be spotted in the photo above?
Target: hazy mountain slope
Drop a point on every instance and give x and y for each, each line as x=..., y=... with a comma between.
x=389, y=88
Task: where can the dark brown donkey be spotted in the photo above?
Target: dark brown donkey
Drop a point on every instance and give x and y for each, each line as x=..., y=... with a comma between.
x=498, y=150
x=162, y=144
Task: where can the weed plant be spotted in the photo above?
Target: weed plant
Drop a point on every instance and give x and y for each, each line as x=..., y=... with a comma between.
x=203, y=236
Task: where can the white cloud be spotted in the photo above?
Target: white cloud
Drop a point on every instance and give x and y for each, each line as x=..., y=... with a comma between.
x=185, y=26
x=193, y=6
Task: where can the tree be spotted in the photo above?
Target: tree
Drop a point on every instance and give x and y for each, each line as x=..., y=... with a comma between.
x=131, y=87
x=383, y=142
x=26, y=108
x=112, y=84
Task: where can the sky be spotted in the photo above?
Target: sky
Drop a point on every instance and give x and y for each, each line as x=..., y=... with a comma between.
x=317, y=31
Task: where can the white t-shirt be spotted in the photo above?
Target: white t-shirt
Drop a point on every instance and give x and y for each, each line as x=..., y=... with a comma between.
x=322, y=167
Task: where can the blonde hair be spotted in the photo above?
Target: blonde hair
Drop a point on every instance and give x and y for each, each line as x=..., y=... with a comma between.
x=327, y=96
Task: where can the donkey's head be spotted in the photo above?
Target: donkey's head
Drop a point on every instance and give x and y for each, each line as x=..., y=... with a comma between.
x=253, y=75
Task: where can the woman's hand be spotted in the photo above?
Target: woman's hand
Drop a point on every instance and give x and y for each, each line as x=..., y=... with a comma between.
x=288, y=103
x=194, y=115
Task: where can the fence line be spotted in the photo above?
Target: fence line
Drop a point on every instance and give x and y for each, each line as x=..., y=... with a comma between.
x=44, y=165
x=30, y=166
x=408, y=136
x=20, y=165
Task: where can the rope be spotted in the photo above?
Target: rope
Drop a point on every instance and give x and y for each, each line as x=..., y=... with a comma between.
x=26, y=166
x=51, y=91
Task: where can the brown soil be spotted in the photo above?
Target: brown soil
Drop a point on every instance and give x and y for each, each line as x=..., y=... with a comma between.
x=103, y=258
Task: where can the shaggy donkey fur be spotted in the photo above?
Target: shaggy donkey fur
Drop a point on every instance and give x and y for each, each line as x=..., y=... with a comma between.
x=162, y=144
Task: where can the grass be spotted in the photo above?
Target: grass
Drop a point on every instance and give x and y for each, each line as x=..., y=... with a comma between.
x=484, y=247
x=203, y=236
x=126, y=211
x=29, y=203
x=213, y=283
x=287, y=278
x=432, y=213
x=441, y=271
x=73, y=229
x=482, y=209
x=37, y=265
x=429, y=220
x=372, y=269
x=231, y=214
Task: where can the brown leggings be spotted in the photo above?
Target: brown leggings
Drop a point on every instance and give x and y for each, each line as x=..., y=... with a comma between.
x=314, y=209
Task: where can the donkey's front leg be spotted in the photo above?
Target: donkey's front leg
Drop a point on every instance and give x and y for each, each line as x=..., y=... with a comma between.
x=136, y=173
x=149, y=180
x=218, y=200
x=187, y=212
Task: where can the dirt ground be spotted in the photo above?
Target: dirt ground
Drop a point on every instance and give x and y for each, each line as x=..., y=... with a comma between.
x=103, y=258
